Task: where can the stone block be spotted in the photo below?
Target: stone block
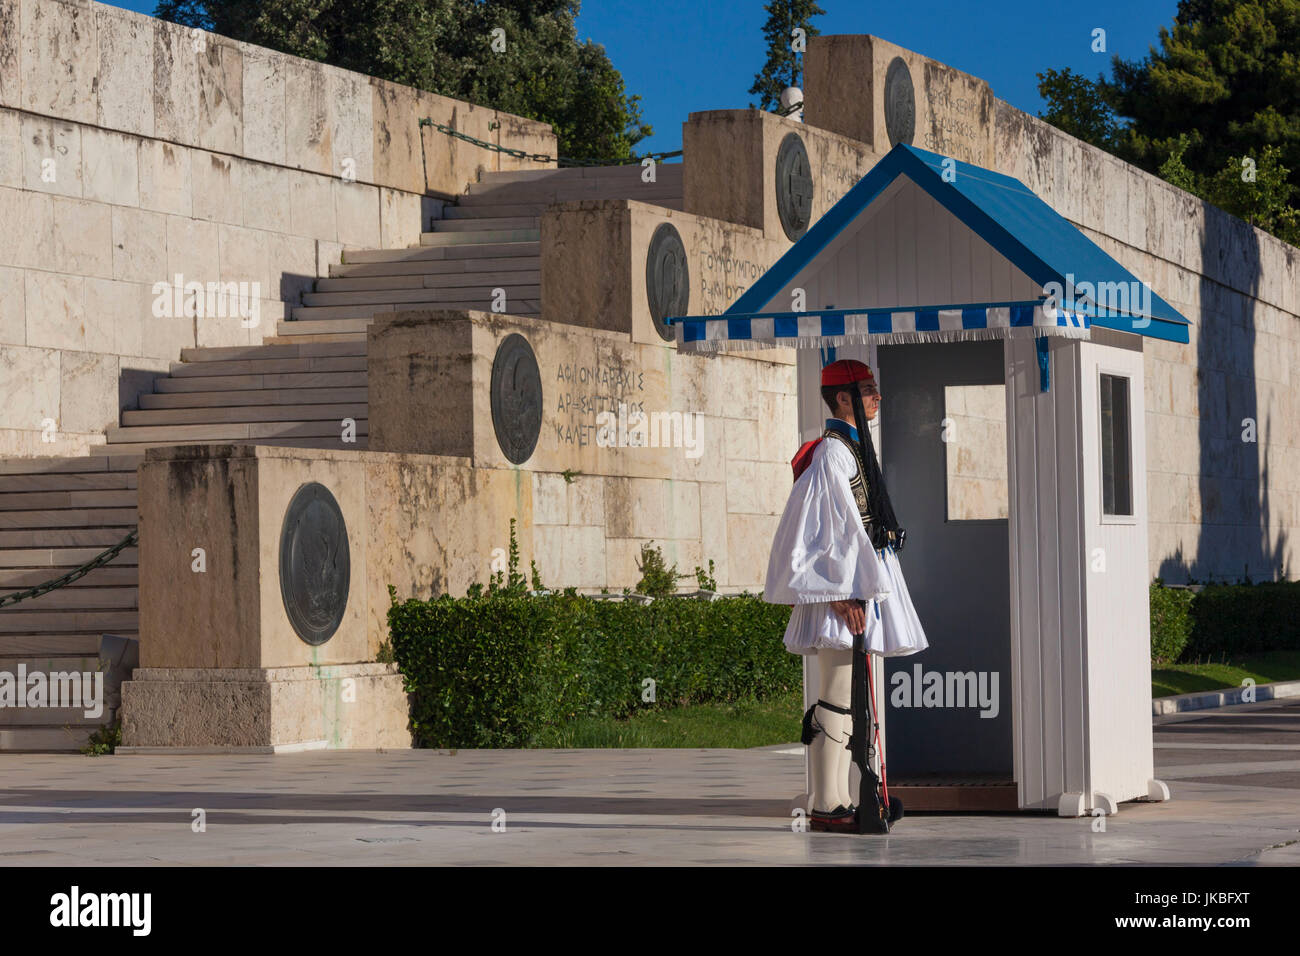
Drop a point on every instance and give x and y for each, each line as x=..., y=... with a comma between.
x=165, y=178
x=587, y=501
x=220, y=96
x=396, y=145
x=123, y=307
x=51, y=156
x=749, y=539
x=684, y=510
x=352, y=126
x=308, y=133
x=10, y=45
x=126, y=51
x=293, y=264
x=271, y=710
x=29, y=388
x=11, y=148
x=219, y=193
x=223, y=331
x=59, y=60
x=327, y=254
x=175, y=84
x=13, y=316
x=88, y=392
x=356, y=211
x=570, y=557
x=741, y=439
x=192, y=250
x=56, y=311
x=165, y=336
x=110, y=167
x=532, y=136
x=244, y=255
x=83, y=238
x=264, y=193
x=400, y=219
x=550, y=499
x=451, y=162
x=311, y=206
x=139, y=245
x=264, y=85
x=28, y=237
x=635, y=508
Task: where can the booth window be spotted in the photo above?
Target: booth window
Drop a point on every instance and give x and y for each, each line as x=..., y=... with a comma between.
x=1116, y=460
x=974, y=435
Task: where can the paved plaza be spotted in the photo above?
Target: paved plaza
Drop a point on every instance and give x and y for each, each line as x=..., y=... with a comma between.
x=1234, y=774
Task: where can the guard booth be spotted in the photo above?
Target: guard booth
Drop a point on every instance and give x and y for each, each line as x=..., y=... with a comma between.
x=1008, y=351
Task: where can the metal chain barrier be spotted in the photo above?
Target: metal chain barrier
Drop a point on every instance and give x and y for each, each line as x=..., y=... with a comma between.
x=98, y=561
x=540, y=157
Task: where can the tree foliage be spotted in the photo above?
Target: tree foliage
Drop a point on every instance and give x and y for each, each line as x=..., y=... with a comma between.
x=784, y=65
x=1215, y=110
x=446, y=47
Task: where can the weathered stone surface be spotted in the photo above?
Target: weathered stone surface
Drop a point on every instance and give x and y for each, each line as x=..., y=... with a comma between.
x=10, y=45
x=351, y=119
x=460, y=162
x=192, y=249
x=56, y=311
x=29, y=387
x=264, y=193
x=308, y=133
x=139, y=245
x=175, y=84
x=59, y=59
x=13, y=315
x=311, y=206
x=83, y=238
x=28, y=239
x=11, y=149
x=399, y=219
x=264, y=104
x=88, y=391
x=219, y=192
x=51, y=156
x=357, y=212
x=221, y=96
x=165, y=178
x=396, y=142
x=126, y=51
x=110, y=167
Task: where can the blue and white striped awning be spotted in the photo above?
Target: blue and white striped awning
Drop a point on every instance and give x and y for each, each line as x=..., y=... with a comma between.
x=949, y=323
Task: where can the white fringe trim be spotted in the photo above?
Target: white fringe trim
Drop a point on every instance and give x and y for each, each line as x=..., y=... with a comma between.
x=880, y=338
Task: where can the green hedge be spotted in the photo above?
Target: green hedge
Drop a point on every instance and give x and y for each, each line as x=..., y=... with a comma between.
x=1245, y=618
x=493, y=670
x=1223, y=619
x=1171, y=622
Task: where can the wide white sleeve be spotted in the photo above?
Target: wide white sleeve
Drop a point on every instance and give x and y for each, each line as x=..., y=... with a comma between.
x=821, y=552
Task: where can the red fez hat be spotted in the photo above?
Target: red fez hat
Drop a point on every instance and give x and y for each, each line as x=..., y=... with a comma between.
x=846, y=371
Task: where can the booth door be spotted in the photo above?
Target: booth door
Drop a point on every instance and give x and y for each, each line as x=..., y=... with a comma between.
x=947, y=709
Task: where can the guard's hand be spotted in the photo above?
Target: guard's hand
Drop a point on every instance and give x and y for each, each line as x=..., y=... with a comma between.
x=852, y=614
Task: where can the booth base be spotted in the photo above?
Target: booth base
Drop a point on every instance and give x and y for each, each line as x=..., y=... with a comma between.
x=951, y=792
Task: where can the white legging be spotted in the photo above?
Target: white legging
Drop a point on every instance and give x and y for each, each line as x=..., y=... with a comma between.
x=830, y=756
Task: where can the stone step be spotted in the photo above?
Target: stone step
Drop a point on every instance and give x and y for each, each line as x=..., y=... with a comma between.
x=485, y=223
x=278, y=380
x=67, y=644
x=439, y=267
x=340, y=363
x=45, y=739
x=80, y=599
x=321, y=441
x=69, y=481
x=297, y=350
x=70, y=518
x=42, y=466
x=261, y=396
x=51, y=718
x=227, y=432
x=15, y=620
x=429, y=281
x=520, y=234
x=521, y=306
x=480, y=210
x=111, y=575
x=290, y=328
x=240, y=413
x=516, y=193
x=473, y=250
x=48, y=663
x=327, y=336
x=53, y=562
x=474, y=293
x=51, y=499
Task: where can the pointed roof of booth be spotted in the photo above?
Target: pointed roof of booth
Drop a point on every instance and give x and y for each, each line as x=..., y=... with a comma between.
x=999, y=209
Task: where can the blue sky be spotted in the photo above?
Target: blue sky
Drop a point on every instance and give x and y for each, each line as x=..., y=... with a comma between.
x=682, y=56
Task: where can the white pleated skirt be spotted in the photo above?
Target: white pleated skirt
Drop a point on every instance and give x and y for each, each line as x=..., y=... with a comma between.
x=893, y=629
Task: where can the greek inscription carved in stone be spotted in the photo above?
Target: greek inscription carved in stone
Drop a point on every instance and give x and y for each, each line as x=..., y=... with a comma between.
x=315, y=563
x=667, y=278
x=586, y=390
x=794, y=186
x=900, y=103
x=516, y=398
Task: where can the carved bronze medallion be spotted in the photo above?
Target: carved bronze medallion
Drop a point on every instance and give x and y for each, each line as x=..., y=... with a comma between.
x=516, y=397
x=315, y=564
x=794, y=186
x=667, y=278
x=900, y=103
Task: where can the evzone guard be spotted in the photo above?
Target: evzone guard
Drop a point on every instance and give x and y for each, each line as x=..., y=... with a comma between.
x=835, y=560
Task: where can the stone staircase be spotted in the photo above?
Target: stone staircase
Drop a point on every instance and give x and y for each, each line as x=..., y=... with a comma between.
x=297, y=388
